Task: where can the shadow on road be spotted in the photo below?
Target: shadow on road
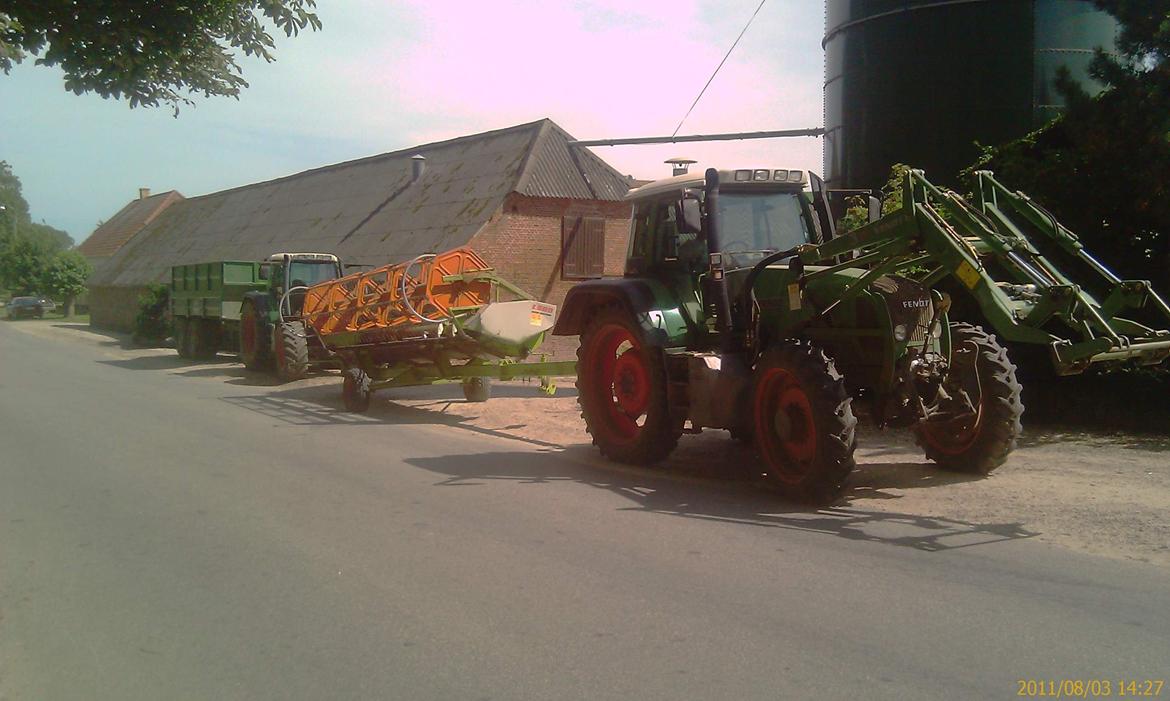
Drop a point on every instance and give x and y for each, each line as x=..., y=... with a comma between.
x=707, y=478
x=321, y=405
x=737, y=499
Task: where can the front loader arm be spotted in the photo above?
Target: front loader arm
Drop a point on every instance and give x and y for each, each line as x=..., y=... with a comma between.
x=936, y=230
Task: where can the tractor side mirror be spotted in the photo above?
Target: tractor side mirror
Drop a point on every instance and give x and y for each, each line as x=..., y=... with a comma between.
x=691, y=219
x=265, y=271
x=875, y=209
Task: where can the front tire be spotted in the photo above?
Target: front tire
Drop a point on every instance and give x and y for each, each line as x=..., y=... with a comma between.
x=292, y=351
x=980, y=441
x=621, y=385
x=803, y=423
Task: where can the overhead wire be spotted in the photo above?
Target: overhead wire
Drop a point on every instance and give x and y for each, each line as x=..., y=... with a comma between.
x=733, y=45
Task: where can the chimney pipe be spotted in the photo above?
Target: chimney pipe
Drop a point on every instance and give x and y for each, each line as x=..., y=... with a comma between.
x=679, y=166
x=418, y=166
x=143, y=193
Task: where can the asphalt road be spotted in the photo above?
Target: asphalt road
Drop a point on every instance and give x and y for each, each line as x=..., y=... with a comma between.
x=167, y=534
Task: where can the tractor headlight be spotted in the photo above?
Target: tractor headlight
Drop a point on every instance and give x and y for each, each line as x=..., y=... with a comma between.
x=900, y=333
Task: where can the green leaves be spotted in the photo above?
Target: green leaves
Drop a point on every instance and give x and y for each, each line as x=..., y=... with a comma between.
x=152, y=52
x=1104, y=166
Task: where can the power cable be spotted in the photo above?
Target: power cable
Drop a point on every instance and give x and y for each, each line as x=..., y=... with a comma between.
x=733, y=45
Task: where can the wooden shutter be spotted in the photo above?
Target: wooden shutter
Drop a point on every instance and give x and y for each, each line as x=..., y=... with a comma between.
x=594, y=244
x=582, y=247
x=570, y=248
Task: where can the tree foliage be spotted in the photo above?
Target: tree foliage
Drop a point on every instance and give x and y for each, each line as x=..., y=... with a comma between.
x=64, y=277
x=35, y=258
x=149, y=52
x=1103, y=167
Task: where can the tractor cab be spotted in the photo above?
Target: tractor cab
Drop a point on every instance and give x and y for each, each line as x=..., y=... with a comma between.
x=759, y=212
x=290, y=274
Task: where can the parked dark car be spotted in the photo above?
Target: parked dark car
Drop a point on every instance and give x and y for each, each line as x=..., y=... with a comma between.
x=26, y=307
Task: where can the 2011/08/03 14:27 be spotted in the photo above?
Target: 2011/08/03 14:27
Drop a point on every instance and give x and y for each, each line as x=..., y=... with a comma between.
x=1089, y=688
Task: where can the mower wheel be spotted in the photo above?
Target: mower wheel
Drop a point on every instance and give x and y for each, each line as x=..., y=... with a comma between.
x=980, y=441
x=621, y=386
x=355, y=390
x=802, y=419
x=292, y=351
x=477, y=389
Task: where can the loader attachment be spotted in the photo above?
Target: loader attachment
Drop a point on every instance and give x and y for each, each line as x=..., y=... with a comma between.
x=996, y=248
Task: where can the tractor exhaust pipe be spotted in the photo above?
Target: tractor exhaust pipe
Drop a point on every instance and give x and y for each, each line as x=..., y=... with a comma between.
x=717, y=280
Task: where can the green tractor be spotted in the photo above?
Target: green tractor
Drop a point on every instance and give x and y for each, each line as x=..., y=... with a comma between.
x=250, y=307
x=272, y=334
x=741, y=309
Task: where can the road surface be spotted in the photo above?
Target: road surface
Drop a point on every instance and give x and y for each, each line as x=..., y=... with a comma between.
x=167, y=534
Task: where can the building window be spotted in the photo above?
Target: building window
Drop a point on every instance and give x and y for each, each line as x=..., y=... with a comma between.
x=582, y=247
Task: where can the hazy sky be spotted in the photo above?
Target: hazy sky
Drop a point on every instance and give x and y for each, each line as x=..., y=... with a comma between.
x=383, y=76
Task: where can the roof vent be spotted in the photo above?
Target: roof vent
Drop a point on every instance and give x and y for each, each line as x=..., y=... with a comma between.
x=679, y=166
x=418, y=166
x=143, y=193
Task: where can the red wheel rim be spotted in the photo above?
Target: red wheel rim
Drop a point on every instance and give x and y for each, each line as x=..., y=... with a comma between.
x=787, y=432
x=622, y=389
x=956, y=436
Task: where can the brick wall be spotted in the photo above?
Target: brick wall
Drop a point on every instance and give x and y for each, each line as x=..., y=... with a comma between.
x=522, y=241
x=114, y=308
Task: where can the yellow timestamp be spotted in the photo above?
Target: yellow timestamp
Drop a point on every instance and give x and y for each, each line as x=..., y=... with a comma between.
x=1089, y=688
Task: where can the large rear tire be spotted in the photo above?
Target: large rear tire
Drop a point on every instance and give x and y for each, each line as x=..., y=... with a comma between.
x=355, y=390
x=255, y=348
x=975, y=442
x=292, y=351
x=803, y=423
x=621, y=385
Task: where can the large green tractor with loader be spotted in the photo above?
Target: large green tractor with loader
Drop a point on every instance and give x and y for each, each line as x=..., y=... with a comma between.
x=742, y=309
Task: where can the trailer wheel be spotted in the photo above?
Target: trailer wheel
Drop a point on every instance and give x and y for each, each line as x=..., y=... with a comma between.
x=802, y=419
x=292, y=351
x=204, y=335
x=355, y=390
x=182, y=334
x=621, y=385
x=254, y=346
x=477, y=389
x=976, y=441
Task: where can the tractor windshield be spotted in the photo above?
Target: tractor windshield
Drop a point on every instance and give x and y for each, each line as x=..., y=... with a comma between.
x=309, y=273
x=754, y=224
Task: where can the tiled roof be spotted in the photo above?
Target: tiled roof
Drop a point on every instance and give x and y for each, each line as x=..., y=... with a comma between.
x=111, y=235
x=369, y=210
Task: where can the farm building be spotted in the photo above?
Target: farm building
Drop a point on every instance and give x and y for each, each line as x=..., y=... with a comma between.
x=545, y=215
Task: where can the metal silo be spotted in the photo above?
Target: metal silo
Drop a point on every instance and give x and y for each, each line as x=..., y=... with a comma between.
x=920, y=82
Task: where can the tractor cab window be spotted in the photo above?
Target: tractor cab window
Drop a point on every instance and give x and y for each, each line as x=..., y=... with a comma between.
x=685, y=248
x=752, y=225
x=309, y=273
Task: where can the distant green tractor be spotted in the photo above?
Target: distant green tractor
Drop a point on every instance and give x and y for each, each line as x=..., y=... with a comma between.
x=250, y=307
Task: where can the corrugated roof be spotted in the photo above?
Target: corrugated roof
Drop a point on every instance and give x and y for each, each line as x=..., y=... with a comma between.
x=111, y=235
x=368, y=210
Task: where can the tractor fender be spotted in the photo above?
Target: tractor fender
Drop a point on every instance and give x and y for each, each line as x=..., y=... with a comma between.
x=262, y=304
x=647, y=302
